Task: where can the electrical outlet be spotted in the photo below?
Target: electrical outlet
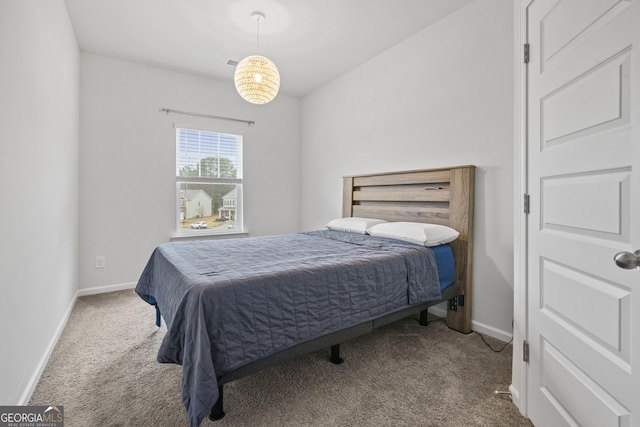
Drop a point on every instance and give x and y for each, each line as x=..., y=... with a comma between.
x=101, y=261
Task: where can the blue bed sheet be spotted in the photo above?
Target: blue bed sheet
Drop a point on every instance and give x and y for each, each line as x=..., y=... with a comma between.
x=445, y=265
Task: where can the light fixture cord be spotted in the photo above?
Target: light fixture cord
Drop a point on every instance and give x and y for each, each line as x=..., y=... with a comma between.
x=258, y=35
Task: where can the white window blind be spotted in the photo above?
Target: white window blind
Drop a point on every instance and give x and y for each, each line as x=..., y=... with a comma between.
x=208, y=154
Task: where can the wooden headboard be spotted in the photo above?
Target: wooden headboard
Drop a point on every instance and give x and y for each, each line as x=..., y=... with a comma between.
x=438, y=196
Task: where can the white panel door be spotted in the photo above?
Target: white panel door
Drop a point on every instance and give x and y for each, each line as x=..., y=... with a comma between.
x=583, y=155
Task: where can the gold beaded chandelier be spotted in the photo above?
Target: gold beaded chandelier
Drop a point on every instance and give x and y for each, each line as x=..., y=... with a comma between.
x=256, y=77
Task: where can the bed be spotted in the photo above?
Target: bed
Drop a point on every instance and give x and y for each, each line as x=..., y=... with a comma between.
x=234, y=307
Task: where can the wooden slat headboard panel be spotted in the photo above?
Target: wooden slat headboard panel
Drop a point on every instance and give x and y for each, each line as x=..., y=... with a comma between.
x=438, y=196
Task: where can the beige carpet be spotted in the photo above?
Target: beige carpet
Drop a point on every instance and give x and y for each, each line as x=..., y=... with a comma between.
x=104, y=371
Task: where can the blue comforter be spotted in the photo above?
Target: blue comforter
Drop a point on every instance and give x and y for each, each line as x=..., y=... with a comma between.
x=227, y=303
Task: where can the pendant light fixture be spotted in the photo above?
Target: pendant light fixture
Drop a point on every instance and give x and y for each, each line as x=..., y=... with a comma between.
x=256, y=77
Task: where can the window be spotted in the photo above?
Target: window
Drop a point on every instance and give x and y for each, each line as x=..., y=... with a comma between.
x=208, y=181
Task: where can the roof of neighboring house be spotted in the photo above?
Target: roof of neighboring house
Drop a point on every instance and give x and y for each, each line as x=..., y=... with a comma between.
x=233, y=194
x=190, y=194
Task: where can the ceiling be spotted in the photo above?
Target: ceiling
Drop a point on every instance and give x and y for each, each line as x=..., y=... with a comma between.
x=311, y=41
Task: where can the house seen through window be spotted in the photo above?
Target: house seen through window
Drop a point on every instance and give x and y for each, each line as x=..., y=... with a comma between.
x=208, y=181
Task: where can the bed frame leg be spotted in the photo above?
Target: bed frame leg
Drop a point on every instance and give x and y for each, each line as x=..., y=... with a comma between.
x=335, y=355
x=217, y=412
x=423, y=317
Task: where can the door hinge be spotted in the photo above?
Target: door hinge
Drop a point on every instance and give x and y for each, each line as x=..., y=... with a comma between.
x=526, y=53
x=525, y=352
x=526, y=203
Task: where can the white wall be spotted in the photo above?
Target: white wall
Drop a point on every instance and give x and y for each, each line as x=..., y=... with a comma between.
x=39, y=95
x=443, y=97
x=128, y=161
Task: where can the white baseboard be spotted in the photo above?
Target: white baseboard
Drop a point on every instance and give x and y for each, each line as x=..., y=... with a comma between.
x=31, y=385
x=496, y=333
x=105, y=289
x=26, y=395
x=515, y=397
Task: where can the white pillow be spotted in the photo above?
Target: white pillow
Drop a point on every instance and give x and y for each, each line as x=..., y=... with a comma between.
x=353, y=224
x=415, y=232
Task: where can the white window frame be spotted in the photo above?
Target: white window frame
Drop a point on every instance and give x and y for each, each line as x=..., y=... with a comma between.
x=222, y=231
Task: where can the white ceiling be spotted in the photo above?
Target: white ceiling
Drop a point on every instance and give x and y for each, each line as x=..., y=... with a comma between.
x=311, y=41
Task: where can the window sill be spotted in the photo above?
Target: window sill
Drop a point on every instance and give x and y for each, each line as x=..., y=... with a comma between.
x=198, y=235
